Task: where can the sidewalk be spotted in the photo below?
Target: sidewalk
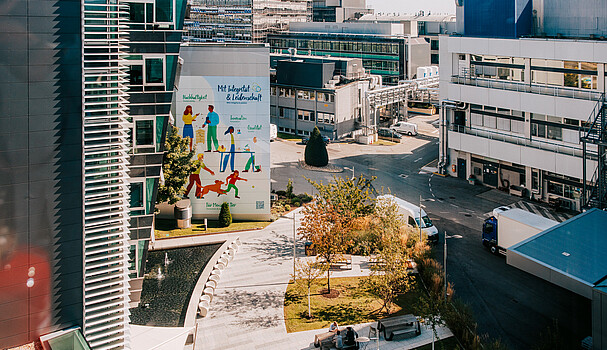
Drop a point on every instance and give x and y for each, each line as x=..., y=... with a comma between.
x=247, y=309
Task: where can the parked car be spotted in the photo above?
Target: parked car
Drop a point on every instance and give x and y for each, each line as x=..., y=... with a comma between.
x=305, y=140
x=405, y=128
x=388, y=134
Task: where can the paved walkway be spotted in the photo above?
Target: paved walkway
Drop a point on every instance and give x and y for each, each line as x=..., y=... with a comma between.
x=247, y=310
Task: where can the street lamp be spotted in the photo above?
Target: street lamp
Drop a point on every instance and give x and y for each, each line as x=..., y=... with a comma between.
x=445, y=258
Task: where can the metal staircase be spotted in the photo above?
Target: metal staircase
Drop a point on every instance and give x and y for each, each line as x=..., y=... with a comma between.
x=594, y=194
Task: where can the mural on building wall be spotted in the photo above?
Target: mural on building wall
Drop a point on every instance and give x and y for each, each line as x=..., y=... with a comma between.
x=227, y=121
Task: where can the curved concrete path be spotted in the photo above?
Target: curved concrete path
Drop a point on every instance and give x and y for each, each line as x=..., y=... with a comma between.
x=247, y=309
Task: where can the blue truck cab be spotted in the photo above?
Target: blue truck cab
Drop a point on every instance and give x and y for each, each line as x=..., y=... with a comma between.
x=490, y=234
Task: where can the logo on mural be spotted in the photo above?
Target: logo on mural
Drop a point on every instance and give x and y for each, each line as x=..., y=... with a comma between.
x=256, y=88
x=237, y=118
x=196, y=97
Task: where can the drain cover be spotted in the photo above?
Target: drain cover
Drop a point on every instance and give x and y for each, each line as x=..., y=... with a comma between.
x=451, y=197
x=468, y=215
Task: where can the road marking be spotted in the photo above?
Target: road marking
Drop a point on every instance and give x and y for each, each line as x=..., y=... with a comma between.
x=453, y=205
x=417, y=160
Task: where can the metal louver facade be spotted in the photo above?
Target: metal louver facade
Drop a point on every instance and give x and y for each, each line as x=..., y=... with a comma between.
x=105, y=166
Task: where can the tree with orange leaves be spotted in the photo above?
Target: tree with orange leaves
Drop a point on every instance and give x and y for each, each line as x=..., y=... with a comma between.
x=339, y=209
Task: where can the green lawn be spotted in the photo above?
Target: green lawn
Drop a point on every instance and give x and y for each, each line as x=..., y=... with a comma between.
x=354, y=305
x=289, y=137
x=166, y=228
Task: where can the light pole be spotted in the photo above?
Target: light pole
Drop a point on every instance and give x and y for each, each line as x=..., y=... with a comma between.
x=445, y=258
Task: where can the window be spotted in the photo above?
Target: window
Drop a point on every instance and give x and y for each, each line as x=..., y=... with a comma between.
x=137, y=11
x=136, y=74
x=305, y=115
x=412, y=221
x=137, y=195
x=164, y=11
x=144, y=133
x=154, y=71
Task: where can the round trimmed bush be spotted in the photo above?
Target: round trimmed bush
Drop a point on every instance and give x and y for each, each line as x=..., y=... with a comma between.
x=316, y=150
x=225, y=217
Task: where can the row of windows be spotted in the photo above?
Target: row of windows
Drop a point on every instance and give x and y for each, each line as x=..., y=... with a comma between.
x=303, y=94
x=581, y=75
x=336, y=45
x=381, y=65
x=289, y=113
x=542, y=126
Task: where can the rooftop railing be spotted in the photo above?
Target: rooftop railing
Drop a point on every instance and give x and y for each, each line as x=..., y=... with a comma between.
x=539, y=89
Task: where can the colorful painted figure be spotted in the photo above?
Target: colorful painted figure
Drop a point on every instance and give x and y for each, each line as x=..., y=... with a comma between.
x=251, y=160
x=188, y=130
x=229, y=156
x=195, y=177
x=216, y=187
x=231, y=181
x=212, y=121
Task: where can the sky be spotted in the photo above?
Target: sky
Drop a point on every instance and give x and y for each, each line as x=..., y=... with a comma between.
x=412, y=6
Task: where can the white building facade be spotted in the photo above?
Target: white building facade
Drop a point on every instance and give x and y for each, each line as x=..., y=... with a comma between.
x=513, y=111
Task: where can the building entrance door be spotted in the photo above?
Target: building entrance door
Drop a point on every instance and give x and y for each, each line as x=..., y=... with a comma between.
x=490, y=174
x=461, y=168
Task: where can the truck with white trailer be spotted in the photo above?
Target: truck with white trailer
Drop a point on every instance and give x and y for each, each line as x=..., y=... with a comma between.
x=511, y=226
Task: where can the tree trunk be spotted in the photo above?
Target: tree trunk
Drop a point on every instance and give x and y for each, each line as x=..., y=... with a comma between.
x=329, y=281
x=309, y=308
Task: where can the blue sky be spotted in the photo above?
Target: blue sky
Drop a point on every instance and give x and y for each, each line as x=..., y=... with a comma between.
x=412, y=6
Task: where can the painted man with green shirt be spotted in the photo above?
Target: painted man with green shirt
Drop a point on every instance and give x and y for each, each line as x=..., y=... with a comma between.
x=212, y=121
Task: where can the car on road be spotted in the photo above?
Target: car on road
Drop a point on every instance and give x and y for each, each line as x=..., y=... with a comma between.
x=305, y=140
x=387, y=134
x=404, y=128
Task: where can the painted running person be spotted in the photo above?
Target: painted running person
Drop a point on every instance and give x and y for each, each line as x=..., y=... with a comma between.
x=216, y=187
x=231, y=181
x=212, y=121
x=230, y=155
x=195, y=176
x=188, y=130
x=251, y=160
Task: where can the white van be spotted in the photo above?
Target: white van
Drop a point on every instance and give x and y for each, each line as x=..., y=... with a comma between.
x=404, y=128
x=412, y=212
x=273, y=132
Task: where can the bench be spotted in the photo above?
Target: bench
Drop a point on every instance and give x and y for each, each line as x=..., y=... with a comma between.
x=406, y=325
x=406, y=333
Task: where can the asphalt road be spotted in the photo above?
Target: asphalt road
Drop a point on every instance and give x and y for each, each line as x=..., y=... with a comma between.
x=508, y=304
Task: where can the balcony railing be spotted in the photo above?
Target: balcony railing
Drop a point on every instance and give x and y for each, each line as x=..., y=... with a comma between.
x=523, y=141
x=539, y=89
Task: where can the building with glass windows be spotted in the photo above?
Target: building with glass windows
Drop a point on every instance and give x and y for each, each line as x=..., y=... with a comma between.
x=242, y=21
x=328, y=93
x=339, y=10
x=427, y=26
x=383, y=47
x=68, y=209
x=516, y=109
x=155, y=30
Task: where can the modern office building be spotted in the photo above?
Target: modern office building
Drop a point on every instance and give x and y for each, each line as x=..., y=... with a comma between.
x=153, y=53
x=64, y=154
x=242, y=21
x=514, y=108
x=427, y=26
x=219, y=21
x=339, y=10
x=383, y=47
x=328, y=93
x=68, y=151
